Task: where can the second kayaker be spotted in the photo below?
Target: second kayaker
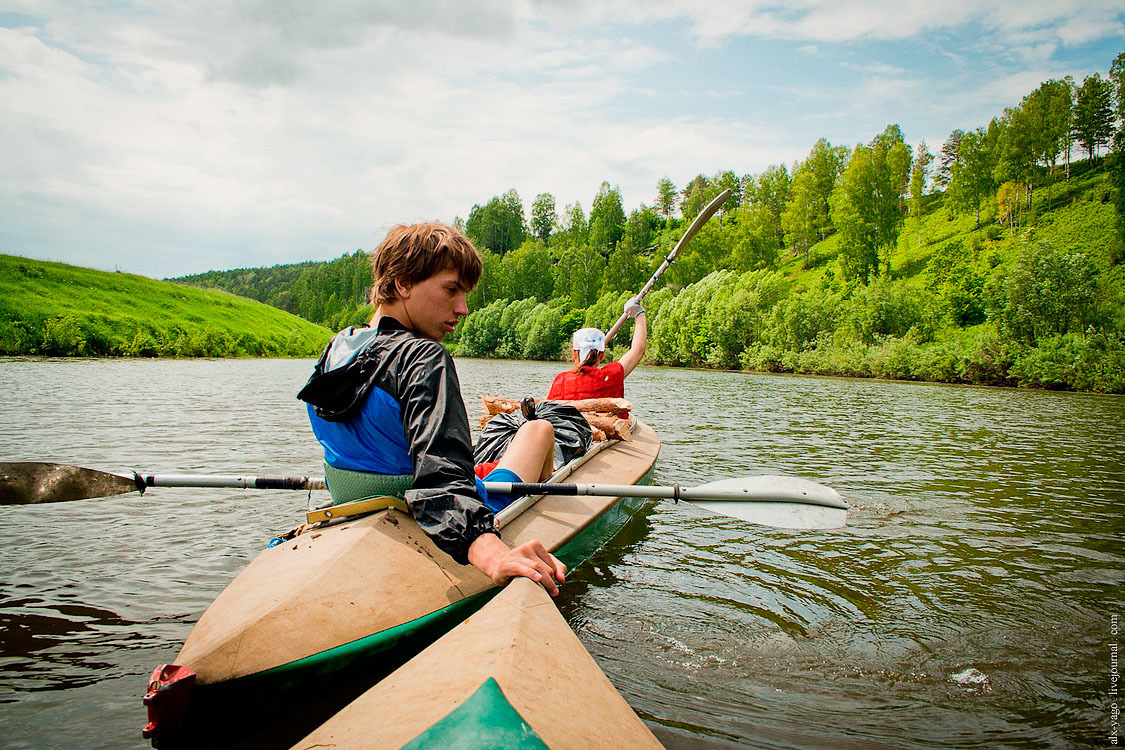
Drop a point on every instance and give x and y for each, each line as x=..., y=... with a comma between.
x=589, y=378
x=385, y=403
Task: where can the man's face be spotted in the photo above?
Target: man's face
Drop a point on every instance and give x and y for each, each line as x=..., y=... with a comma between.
x=434, y=305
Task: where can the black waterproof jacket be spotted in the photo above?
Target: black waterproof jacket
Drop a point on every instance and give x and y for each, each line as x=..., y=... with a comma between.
x=419, y=374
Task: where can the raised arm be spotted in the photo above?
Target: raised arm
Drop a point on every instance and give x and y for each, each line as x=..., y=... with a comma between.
x=632, y=358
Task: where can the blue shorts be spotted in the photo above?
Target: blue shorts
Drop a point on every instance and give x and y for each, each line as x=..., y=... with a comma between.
x=495, y=500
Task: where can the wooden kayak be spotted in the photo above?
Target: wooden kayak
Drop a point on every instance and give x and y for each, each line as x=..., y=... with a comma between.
x=512, y=675
x=364, y=595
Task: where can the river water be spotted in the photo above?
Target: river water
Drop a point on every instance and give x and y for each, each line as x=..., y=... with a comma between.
x=972, y=598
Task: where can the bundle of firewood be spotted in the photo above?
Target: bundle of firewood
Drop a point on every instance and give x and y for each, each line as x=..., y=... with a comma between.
x=603, y=414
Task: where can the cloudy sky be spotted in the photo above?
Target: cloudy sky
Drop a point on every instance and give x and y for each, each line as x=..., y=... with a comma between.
x=165, y=138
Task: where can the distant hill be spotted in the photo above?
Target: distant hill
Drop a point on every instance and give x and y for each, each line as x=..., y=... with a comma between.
x=62, y=310
x=332, y=294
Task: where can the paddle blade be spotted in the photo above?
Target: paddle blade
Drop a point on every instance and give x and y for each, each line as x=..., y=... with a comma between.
x=781, y=502
x=778, y=515
x=26, y=482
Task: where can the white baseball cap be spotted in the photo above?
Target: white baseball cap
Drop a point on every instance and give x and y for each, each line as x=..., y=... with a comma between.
x=588, y=340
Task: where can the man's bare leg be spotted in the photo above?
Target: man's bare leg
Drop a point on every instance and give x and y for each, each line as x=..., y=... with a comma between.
x=531, y=454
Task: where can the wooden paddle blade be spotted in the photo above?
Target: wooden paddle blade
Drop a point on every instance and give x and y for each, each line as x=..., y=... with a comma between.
x=26, y=482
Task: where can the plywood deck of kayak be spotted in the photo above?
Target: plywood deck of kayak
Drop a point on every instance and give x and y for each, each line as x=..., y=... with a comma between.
x=522, y=641
x=335, y=586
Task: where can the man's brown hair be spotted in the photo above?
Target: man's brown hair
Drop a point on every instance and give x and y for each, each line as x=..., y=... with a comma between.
x=415, y=252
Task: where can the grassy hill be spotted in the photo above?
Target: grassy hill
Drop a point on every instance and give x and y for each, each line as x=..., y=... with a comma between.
x=62, y=310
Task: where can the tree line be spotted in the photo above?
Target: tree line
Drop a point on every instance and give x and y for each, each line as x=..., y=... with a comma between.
x=865, y=194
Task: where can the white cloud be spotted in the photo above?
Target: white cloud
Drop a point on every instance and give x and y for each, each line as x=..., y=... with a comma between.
x=1067, y=21
x=888, y=88
x=1090, y=28
x=879, y=68
x=279, y=131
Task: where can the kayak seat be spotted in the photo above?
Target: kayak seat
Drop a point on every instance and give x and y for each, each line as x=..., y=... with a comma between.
x=348, y=486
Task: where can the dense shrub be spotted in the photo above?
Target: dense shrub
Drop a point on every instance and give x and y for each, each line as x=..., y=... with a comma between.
x=1073, y=361
x=889, y=309
x=510, y=339
x=479, y=333
x=520, y=328
x=63, y=336
x=797, y=321
x=605, y=312
x=990, y=358
x=547, y=334
x=941, y=362
x=952, y=277
x=1046, y=293
x=684, y=334
x=741, y=318
x=895, y=359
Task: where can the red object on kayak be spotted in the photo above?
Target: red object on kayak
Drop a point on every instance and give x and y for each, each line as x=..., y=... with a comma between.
x=169, y=688
x=483, y=470
x=607, y=381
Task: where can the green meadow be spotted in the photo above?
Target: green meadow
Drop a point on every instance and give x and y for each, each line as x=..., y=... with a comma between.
x=55, y=309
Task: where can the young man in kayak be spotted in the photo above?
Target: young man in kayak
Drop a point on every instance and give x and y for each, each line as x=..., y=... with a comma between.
x=385, y=402
x=587, y=379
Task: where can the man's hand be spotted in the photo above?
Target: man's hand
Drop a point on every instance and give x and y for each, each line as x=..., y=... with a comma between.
x=491, y=556
x=633, y=307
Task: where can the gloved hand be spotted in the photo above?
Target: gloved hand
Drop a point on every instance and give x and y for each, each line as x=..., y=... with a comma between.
x=633, y=307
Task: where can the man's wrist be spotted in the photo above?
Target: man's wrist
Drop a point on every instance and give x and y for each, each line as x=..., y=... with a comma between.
x=485, y=552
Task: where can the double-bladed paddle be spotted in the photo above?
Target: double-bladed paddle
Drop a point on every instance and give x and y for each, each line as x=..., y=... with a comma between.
x=700, y=219
x=785, y=502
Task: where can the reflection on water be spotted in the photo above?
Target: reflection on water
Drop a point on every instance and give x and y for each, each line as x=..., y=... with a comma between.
x=967, y=602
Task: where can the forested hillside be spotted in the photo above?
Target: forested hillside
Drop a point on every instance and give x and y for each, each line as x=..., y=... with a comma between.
x=995, y=260
x=332, y=294
x=61, y=310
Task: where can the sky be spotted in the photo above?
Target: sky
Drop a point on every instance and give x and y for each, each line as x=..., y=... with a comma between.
x=168, y=138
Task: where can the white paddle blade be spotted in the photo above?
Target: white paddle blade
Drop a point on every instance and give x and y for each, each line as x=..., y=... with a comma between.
x=781, y=502
x=778, y=515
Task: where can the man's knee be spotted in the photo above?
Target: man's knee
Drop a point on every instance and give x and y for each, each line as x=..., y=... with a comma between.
x=539, y=430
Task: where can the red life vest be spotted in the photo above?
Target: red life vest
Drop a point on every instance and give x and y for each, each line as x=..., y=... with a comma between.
x=607, y=381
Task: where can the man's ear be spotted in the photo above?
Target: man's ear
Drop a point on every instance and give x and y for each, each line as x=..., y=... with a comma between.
x=402, y=288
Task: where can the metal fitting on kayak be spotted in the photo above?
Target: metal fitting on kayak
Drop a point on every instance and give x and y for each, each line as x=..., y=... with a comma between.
x=169, y=689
